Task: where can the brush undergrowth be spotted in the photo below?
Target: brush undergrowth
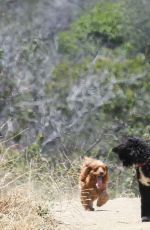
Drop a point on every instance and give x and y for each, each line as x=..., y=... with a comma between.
x=31, y=185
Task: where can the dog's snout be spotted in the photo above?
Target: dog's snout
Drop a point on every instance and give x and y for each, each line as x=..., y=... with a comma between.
x=101, y=174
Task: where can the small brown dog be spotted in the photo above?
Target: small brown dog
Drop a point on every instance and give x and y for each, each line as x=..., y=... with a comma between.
x=93, y=183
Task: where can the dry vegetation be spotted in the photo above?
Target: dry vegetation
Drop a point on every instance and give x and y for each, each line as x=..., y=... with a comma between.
x=31, y=185
x=21, y=208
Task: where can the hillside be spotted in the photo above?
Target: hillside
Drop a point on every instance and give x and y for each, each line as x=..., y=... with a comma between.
x=73, y=70
x=74, y=81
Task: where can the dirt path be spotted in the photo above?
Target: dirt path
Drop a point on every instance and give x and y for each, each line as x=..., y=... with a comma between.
x=117, y=214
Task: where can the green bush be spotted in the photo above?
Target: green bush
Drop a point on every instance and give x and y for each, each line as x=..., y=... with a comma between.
x=100, y=26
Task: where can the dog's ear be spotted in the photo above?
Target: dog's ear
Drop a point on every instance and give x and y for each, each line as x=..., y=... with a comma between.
x=85, y=172
x=106, y=168
x=106, y=177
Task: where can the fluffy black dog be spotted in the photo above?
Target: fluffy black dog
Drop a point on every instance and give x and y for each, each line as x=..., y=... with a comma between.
x=134, y=151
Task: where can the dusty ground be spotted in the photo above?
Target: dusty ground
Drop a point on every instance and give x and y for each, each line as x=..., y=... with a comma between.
x=117, y=214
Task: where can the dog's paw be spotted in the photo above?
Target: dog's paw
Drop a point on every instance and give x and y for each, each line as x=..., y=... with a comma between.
x=146, y=219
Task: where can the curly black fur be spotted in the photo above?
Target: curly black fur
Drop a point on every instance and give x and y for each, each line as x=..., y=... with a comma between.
x=134, y=151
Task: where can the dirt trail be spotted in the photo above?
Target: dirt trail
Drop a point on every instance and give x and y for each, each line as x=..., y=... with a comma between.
x=117, y=214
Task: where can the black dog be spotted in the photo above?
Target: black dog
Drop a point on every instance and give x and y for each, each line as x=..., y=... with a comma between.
x=134, y=151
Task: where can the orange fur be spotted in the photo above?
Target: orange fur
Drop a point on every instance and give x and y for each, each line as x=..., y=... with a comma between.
x=91, y=170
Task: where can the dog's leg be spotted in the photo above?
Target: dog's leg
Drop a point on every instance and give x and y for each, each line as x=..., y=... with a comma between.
x=145, y=202
x=103, y=198
x=86, y=199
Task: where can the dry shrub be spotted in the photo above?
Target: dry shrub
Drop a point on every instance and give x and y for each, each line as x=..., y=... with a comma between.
x=23, y=209
x=29, y=188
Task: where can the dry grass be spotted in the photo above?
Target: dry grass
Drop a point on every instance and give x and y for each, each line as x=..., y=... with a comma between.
x=29, y=187
x=32, y=185
x=22, y=209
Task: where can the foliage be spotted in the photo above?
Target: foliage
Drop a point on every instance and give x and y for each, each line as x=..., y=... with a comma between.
x=98, y=92
x=101, y=26
x=103, y=35
x=138, y=29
